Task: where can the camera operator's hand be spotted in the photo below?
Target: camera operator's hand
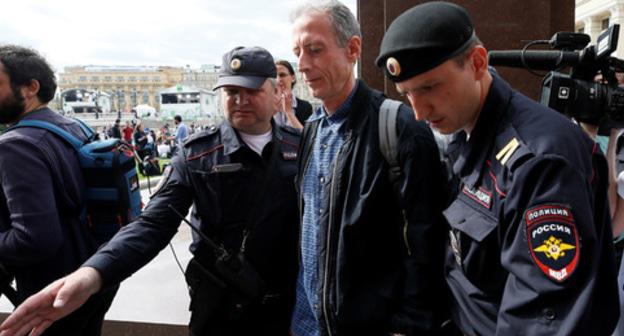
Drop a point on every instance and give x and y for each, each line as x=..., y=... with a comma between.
x=52, y=303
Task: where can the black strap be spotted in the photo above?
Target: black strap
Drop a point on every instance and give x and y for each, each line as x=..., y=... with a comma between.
x=388, y=139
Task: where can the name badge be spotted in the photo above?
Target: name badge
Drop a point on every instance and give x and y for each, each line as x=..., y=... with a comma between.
x=289, y=156
x=227, y=168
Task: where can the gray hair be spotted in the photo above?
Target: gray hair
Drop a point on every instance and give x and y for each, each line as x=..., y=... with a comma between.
x=343, y=22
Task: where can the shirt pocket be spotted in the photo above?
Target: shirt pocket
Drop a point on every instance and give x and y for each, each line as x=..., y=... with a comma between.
x=470, y=221
x=472, y=238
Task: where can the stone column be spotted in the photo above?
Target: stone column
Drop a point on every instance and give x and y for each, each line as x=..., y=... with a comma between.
x=617, y=17
x=593, y=27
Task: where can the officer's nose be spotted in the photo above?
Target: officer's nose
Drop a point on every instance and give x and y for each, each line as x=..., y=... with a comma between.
x=241, y=97
x=421, y=108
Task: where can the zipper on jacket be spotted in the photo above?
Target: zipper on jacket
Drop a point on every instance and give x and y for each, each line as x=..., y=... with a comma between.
x=306, y=155
x=328, y=248
x=409, y=250
x=305, y=170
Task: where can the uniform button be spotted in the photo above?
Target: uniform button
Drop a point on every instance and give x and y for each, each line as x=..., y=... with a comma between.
x=549, y=314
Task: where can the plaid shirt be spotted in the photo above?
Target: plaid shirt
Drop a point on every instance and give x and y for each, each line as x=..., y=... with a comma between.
x=329, y=139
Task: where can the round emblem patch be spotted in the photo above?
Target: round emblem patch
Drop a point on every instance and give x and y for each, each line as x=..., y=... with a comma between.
x=393, y=66
x=235, y=64
x=553, y=240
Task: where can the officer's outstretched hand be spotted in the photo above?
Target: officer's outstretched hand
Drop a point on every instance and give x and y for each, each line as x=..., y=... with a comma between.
x=52, y=303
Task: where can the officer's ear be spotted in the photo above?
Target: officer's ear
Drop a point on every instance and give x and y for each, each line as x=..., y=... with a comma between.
x=479, y=61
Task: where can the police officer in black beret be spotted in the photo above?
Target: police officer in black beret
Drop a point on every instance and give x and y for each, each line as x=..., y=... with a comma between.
x=530, y=249
x=239, y=178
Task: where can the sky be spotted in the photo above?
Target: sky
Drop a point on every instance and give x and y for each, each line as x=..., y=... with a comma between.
x=141, y=32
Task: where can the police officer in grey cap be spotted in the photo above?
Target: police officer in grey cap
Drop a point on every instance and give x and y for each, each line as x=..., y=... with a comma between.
x=239, y=178
x=530, y=248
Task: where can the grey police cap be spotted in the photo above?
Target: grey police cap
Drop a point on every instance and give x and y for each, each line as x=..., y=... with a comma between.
x=246, y=67
x=424, y=37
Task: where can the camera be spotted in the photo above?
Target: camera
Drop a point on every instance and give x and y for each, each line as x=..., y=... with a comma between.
x=589, y=92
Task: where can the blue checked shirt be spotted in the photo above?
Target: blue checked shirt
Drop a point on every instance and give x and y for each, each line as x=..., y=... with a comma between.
x=329, y=139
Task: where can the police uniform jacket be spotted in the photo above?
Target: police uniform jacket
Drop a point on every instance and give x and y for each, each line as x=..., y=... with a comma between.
x=41, y=199
x=223, y=179
x=381, y=253
x=530, y=250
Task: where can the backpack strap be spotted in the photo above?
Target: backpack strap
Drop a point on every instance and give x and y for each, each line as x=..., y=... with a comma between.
x=388, y=139
x=88, y=131
x=72, y=140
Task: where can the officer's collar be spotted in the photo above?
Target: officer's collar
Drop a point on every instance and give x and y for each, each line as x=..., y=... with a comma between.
x=232, y=141
x=474, y=151
x=229, y=138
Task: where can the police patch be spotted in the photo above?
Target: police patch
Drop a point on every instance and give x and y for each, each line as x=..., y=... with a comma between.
x=553, y=240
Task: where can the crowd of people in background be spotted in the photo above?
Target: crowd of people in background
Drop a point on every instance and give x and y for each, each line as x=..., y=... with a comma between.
x=150, y=142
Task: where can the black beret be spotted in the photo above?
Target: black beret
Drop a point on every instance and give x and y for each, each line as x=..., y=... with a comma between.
x=247, y=67
x=424, y=37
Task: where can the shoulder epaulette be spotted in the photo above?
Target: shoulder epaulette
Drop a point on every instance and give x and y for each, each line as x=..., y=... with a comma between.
x=510, y=149
x=200, y=135
x=290, y=130
x=504, y=154
x=290, y=135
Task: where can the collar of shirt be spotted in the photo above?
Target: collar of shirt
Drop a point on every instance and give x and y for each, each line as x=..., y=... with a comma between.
x=229, y=138
x=231, y=141
x=256, y=142
x=341, y=112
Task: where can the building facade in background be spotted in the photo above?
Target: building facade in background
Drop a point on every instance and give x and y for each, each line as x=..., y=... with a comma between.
x=128, y=86
x=594, y=16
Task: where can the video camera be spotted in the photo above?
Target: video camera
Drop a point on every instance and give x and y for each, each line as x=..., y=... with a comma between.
x=577, y=94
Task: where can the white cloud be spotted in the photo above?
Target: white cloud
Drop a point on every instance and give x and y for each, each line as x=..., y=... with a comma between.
x=156, y=32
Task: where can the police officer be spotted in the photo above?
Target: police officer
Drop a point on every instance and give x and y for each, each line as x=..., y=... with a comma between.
x=239, y=178
x=530, y=241
x=41, y=235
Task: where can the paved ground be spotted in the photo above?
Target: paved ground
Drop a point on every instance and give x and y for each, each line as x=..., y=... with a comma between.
x=157, y=293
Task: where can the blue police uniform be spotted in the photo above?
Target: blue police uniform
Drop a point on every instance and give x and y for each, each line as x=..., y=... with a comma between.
x=234, y=191
x=530, y=241
x=42, y=237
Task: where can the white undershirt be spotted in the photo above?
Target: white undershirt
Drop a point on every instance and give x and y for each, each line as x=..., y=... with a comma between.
x=257, y=141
